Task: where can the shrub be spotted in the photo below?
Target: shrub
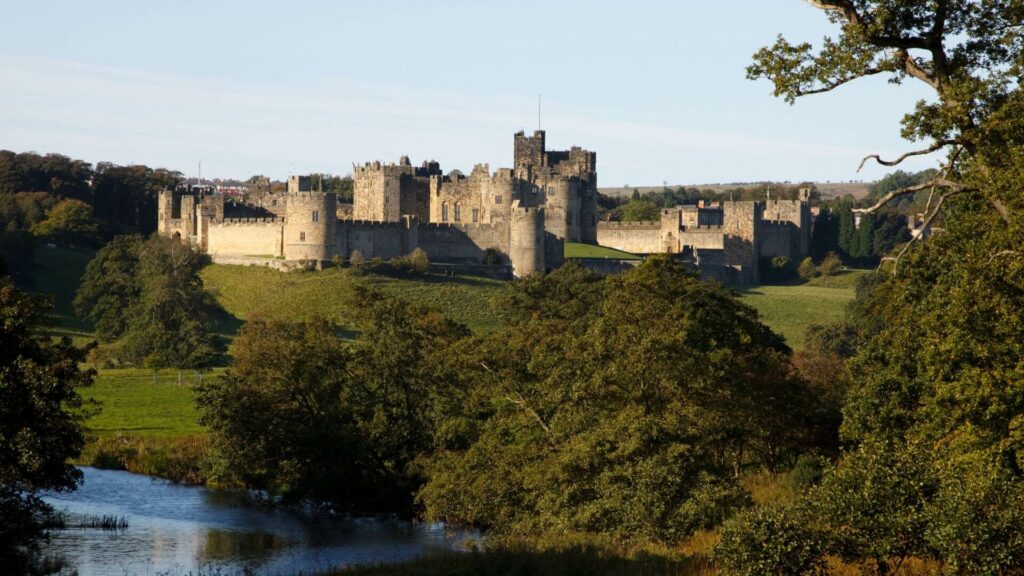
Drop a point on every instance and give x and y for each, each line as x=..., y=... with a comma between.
x=356, y=260
x=830, y=265
x=807, y=269
x=807, y=471
x=778, y=269
x=769, y=540
x=418, y=261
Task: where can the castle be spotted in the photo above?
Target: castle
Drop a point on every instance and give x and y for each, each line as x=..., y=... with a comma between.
x=519, y=217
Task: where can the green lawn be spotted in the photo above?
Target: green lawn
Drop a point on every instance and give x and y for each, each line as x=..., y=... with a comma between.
x=789, y=309
x=56, y=273
x=577, y=250
x=251, y=291
x=132, y=404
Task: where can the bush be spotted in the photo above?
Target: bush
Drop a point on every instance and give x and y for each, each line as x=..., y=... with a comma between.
x=807, y=269
x=807, y=471
x=769, y=540
x=356, y=260
x=778, y=269
x=418, y=261
x=830, y=265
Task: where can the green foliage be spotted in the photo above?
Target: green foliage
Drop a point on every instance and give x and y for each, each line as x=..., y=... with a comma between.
x=562, y=428
x=807, y=270
x=640, y=210
x=69, y=222
x=147, y=300
x=40, y=420
x=304, y=414
x=769, y=540
x=932, y=418
x=830, y=265
x=777, y=270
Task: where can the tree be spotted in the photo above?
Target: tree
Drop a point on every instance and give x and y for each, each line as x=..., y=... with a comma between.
x=110, y=286
x=304, y=414
x=640, y=210
x=68, y=222
x=40, y=421
x=556, y=425
x=934, y=409
x=148, y=302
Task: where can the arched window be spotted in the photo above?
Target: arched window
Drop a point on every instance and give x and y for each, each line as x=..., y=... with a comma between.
x=444, y=212
x=458, y=212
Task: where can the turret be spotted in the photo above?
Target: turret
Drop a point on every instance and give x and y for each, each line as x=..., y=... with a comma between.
x=526, y=249
x=310, y=229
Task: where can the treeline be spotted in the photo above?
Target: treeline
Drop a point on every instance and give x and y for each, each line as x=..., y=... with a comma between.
x=645, y=206
x=545, y=426
x=53, y=198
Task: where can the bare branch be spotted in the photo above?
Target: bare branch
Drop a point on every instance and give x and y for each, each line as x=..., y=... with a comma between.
x=924, y=226
x=928, y=150
x=939, y=182
x=1003, y=253
x=522, y=404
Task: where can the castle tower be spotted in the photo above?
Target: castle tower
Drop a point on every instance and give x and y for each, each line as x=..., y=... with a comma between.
x=311, y=226
x=526, y=246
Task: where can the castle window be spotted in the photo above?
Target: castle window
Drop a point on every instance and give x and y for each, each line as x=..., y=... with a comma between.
x=444, y=212
x=302, y=236
x=476, y=215
x=316, y=216
x=568, y=217
x=458, y=212
x=497, y=199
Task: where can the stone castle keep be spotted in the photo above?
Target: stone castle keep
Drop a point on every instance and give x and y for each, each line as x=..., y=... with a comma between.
x=519, y=216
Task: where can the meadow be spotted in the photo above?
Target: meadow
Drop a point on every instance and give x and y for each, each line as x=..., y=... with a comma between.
x=789, y=309
x=577, y=250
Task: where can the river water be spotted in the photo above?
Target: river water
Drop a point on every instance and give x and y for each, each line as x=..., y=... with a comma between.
x=177, y=530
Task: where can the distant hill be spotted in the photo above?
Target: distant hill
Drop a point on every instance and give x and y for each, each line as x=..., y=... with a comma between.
x=827, y=189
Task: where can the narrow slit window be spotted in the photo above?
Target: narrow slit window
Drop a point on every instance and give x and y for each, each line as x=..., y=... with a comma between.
x=302, y=236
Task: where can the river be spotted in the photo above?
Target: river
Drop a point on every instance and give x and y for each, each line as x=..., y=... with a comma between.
x=177, y=530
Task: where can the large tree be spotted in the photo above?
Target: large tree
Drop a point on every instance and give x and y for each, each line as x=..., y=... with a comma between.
x=40, y=421
x=621, y=406
x=933, y=419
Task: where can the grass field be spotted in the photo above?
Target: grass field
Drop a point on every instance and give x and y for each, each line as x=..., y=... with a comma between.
x=132, y=403
x=250, y=291
x=790, y=309
x=577, y=250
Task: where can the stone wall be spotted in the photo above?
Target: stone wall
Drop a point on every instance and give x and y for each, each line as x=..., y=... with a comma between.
x=246, y=237
x=373, y=239
x=634, y=237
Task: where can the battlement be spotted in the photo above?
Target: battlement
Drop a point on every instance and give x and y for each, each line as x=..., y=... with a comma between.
x=392, y=170
x=239, y=221
x=637, y=225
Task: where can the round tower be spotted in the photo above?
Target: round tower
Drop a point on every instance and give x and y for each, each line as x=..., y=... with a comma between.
x=561, y=210
x=526, y=245
x=310, y=226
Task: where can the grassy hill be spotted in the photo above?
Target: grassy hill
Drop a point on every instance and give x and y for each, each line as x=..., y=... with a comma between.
x=250, y=291
x=577, y=250
x=790, y=309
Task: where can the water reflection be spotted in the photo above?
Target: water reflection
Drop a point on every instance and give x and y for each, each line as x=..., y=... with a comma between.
x=177, y=529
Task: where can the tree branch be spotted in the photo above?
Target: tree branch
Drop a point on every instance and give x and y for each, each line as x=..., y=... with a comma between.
x=924, y=226
x=928, y=150
x=833, y=85
x=936, y=182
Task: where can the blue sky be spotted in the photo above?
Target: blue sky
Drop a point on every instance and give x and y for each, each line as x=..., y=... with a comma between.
x=658, y=89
